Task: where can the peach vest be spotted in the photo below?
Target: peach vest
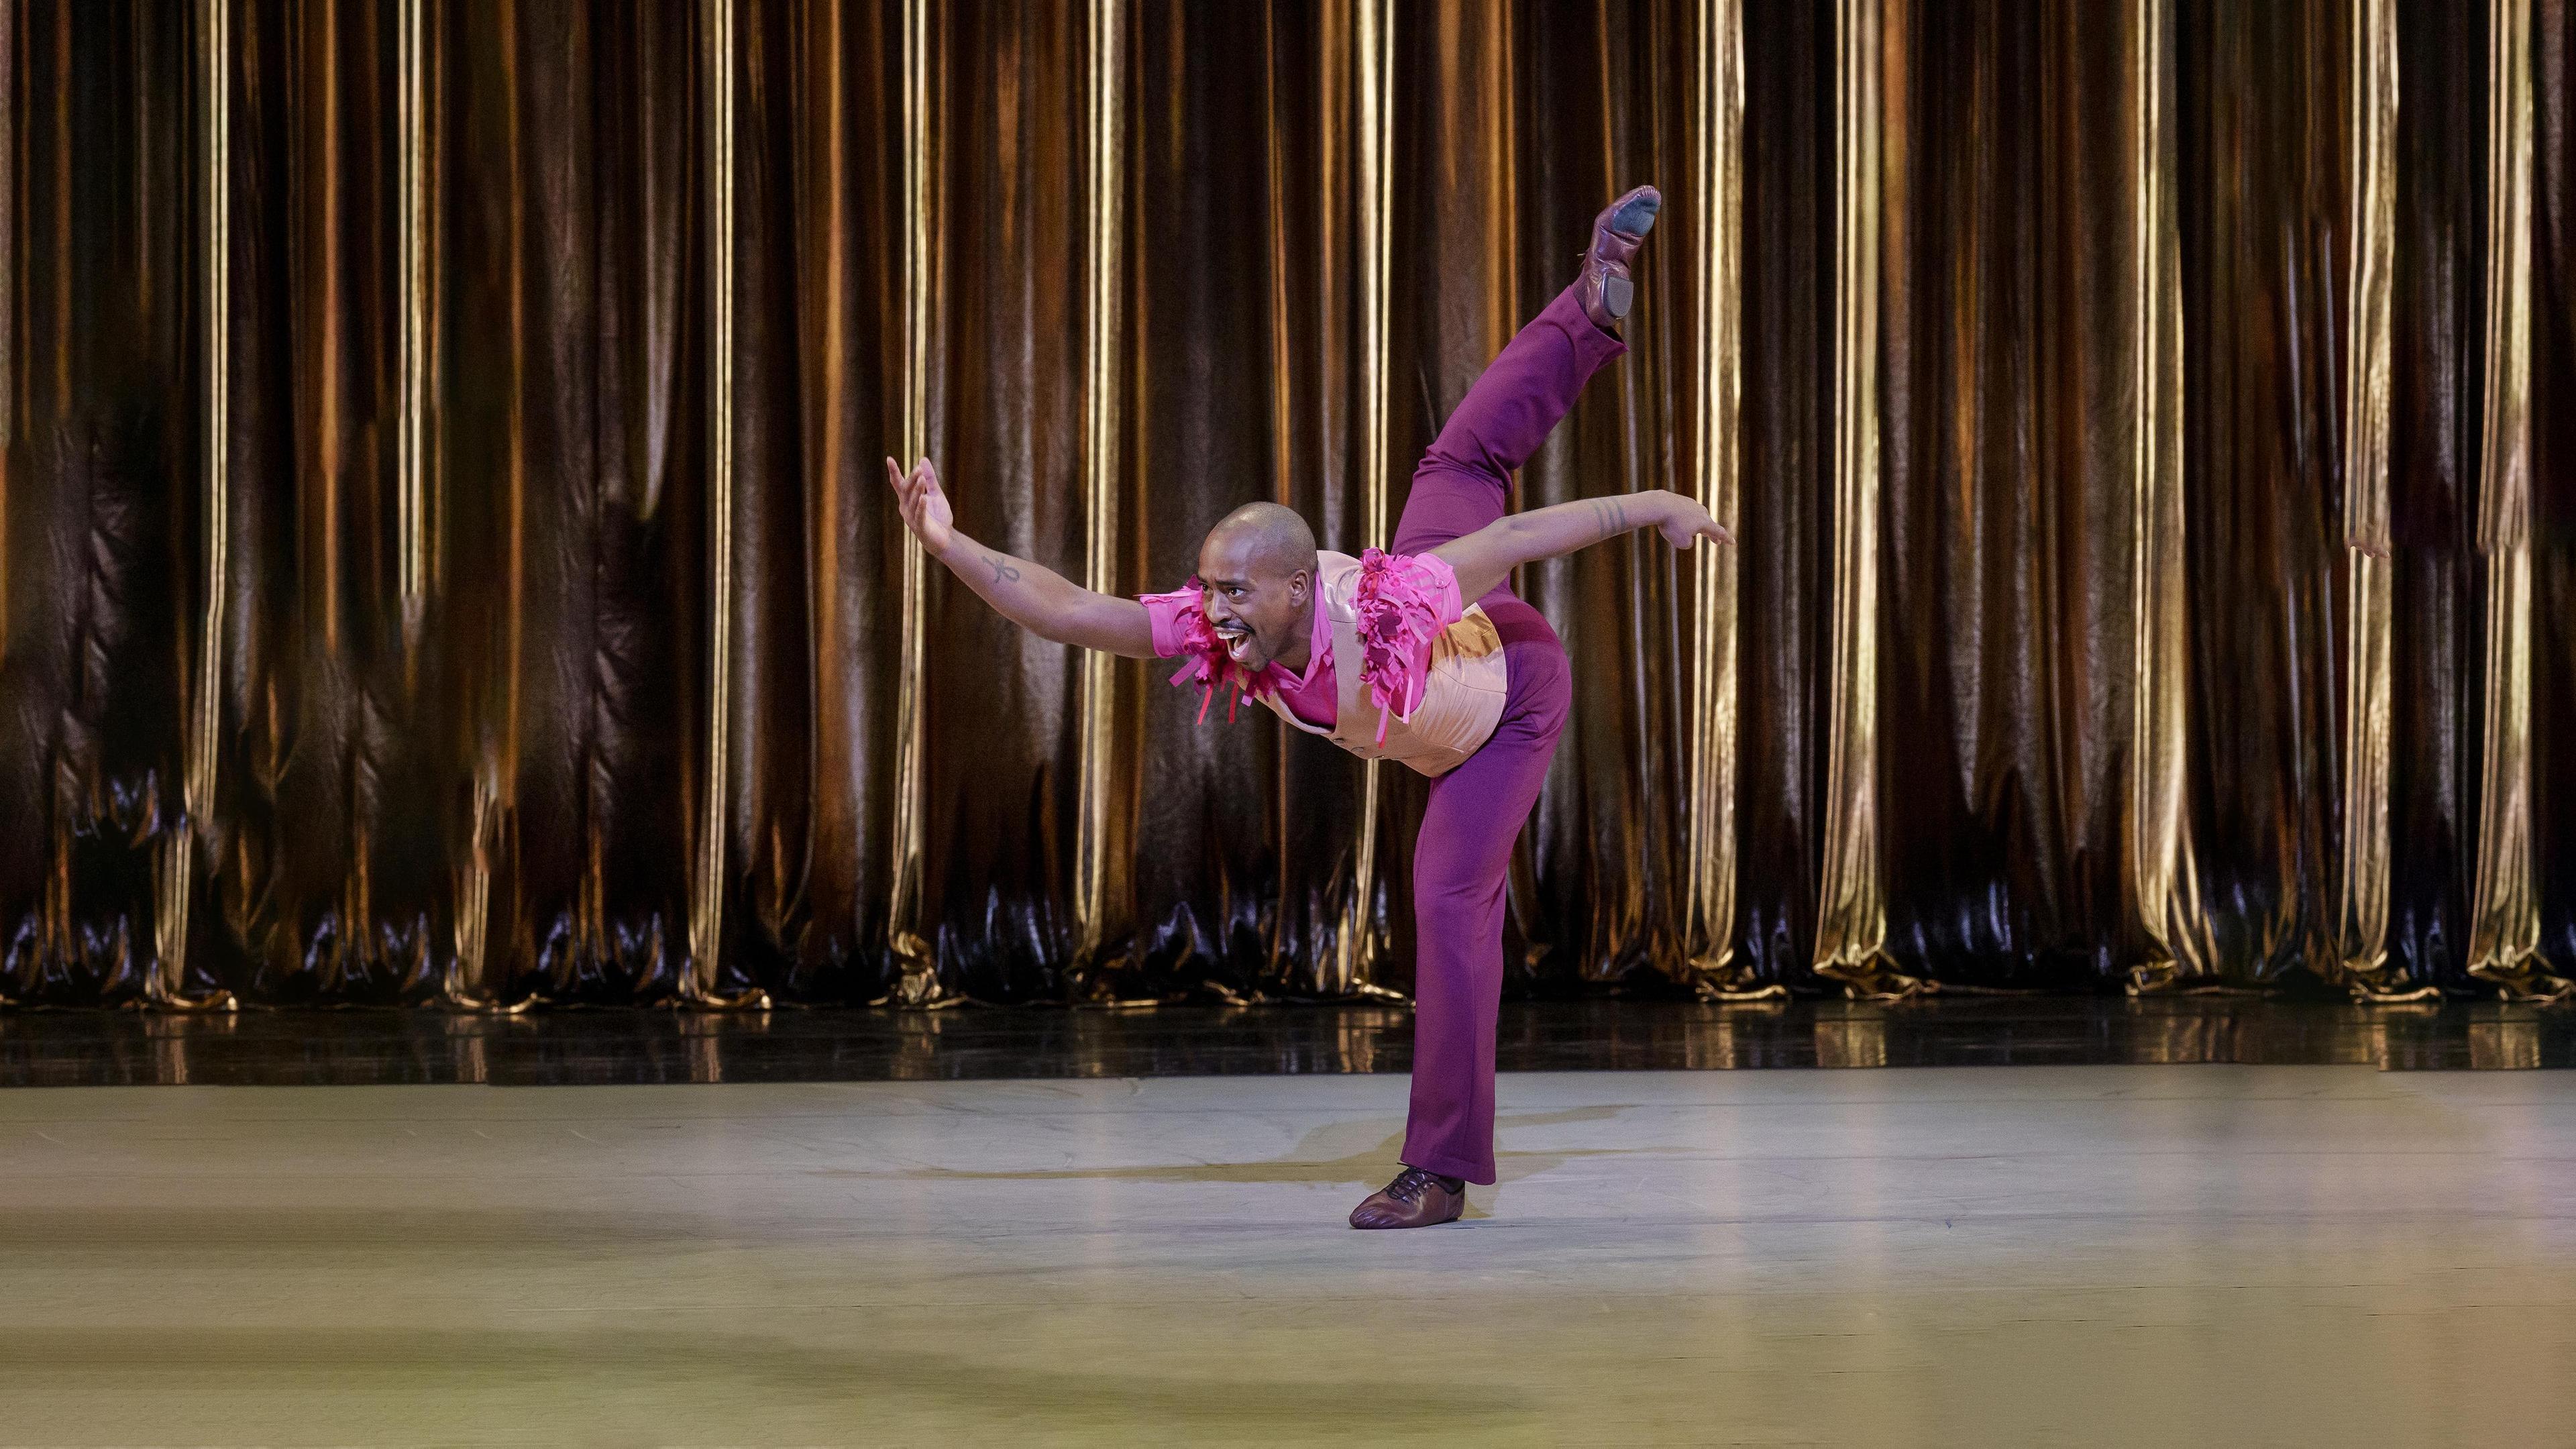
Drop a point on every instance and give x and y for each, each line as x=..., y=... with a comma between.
x=1462, y=695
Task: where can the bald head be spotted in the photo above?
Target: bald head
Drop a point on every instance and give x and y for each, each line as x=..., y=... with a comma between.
x=1266, y=537
x=1257, y=576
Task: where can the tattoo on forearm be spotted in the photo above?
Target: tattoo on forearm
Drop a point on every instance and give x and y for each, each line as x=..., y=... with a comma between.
x=1001, y=568
x=1610, y=516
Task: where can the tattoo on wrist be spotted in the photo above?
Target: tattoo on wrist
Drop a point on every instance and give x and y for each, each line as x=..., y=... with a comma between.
x=1001, y=568
x=1610, y=516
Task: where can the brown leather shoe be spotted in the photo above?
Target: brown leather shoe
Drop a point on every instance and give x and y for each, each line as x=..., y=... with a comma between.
x=1416, y=1199
x=1616, y=234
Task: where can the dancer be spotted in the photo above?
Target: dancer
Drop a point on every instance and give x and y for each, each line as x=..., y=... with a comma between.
x=1420, y=654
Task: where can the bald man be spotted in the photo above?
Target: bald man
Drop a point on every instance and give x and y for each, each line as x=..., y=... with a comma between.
x=1420, y=654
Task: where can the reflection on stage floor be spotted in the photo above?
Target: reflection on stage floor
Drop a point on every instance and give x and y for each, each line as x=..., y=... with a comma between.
x=570, y=1048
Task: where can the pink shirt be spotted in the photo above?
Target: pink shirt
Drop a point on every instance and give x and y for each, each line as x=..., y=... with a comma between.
x=1403, y=603
x=1316, y=698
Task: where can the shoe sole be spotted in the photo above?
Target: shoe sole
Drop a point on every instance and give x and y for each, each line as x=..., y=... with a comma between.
x=1616, y=293
x=1638, y=217
x=1397, y=1227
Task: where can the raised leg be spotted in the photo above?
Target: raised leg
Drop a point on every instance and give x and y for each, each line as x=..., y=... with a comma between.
x=1464, y=481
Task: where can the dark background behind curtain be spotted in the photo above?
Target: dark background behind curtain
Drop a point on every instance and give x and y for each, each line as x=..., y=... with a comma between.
x=502, y=794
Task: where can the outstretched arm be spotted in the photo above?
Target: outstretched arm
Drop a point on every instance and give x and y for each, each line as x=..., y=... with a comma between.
x=1030, y=595
x=1487, y=557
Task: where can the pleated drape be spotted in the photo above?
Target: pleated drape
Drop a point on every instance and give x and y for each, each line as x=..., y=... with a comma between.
x=102, y=435
x=2437, y=578
x=445, y=559
x=2263, y=257
x=2553, y=476
x=1786, y=513
x=817, y=635
x=2012, y=324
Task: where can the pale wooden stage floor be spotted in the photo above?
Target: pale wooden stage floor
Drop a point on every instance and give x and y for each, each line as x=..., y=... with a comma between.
x=1965, y=1256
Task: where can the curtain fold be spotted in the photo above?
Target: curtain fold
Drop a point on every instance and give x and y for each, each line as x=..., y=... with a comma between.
x=1242, y=384
x=1005, y=408
x=575, y=538
x=816, y=633
x=1598, y=97
x=472, y=658
x=1787, y=511
x=2264, y=250
x=2437, y=613
x=98, y=528
x=329, y=880
x=2011, y=353
x=2553, y=477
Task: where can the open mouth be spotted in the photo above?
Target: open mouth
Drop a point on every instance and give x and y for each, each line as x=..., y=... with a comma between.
x=1237, y=640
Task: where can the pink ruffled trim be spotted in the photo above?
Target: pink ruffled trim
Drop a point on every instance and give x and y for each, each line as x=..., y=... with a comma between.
x=1203, y=656
x=1403, y=603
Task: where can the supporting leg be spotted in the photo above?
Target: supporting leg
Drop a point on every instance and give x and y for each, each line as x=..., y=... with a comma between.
x=1461, y=869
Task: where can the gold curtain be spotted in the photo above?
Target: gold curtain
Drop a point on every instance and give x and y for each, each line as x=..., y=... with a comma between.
x=1870, y=42
x=2034, y=740
x=2551, y=420
x=2372, y=106
x=2514, y=516
x=445, y=560
x=2437, y=575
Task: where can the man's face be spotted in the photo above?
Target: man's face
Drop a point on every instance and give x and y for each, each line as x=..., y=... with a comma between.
x=1258, y=611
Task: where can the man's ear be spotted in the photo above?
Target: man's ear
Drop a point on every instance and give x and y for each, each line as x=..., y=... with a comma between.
x=1301, y=585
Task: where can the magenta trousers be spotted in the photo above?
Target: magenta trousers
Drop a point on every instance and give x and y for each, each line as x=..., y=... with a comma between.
x=1463, y=858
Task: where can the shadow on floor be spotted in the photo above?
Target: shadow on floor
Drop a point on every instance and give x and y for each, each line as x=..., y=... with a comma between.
x=1341, y=1152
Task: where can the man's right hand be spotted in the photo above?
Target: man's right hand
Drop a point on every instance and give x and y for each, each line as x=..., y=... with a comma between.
x=1029, y=594
x=925, y=507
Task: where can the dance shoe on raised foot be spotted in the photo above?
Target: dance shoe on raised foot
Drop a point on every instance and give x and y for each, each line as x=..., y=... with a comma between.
x=1416, y=1199
x=1616, y=234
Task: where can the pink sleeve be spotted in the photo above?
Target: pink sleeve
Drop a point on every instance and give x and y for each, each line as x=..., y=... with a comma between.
x=1404, y=602
x=1168, y=611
